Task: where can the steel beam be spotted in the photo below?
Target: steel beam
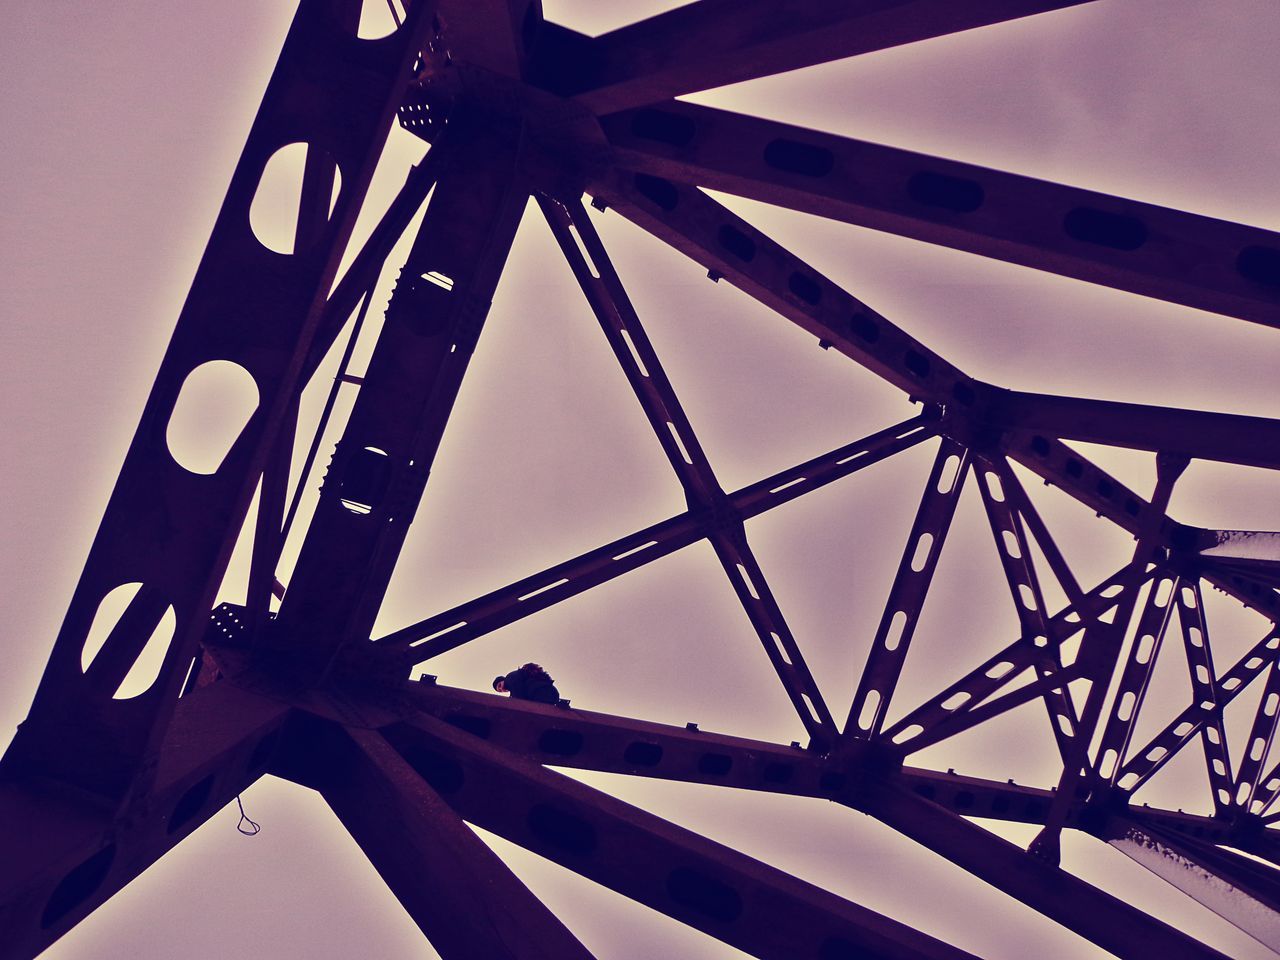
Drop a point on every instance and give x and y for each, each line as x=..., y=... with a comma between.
x=1100, y=918
x=745, y=903
x=1251, y=787
x=1243, y=892
x=1198, y=261
x=447, y=630
x=584, y=740
x=382, y=462
x=1135, y=677
x=996, y=482
x=1164, y=745
x=496, y=35
x=1230, y=438
x=634, y=351
x=1099, y=656
x=911, y=583
x=64, y=853
x=704, y=230
x=463, y=898
x=168, y=525
x=1003, y=667
x=1205, y=689
x=711, y=43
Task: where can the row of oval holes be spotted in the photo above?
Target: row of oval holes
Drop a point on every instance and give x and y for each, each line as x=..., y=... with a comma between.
x=574, y=835
x=213, y=407
x=568, y=743
x=80, y=882
x=1116, y=231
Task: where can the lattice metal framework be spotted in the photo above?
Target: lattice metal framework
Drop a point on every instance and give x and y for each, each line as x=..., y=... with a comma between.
x=95, y=787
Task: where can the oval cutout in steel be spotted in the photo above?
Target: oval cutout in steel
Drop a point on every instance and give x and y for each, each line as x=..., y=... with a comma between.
x=276, y=206
x=379, y=18
x=213, y=407
x=190, y=804
x=1117, y=231
x=805, y=159
x=76, y=887
x=110, y=609
x=146, y=669
x=708, y=896
x=561, y=829
x=956, y=194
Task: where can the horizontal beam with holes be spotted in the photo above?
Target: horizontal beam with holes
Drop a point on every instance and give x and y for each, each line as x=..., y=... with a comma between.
x=586, y=740
x=1210, y=264
x=1230, y=438
x=711, y=43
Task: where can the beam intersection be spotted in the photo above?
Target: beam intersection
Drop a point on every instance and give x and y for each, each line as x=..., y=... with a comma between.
x=105, y=780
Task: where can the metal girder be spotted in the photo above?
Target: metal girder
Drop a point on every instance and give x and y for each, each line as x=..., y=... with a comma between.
x=907, y=595
x=1099, y=656
x=1198, y=261
x=1258, y=746
x=451, y=628
x=625, y=333
x=169, y=525
x=382, y=462
x=711, y=43
x=318, y=179
x=362, y=273
x=465, y=900
x=1095, y=915
x=1004, y=667
x=1252, y=441
x=495, y=35
x=704, y=230
x=66, y=853
x=1063, y=467
x=585, y=740
x=745, y=903
x=1162, y=747
x=597, y=741
x=1205, y=689
x=995, y=482
x=101, y=793
x=1259, y=545
x=1135, y=677
x=1241, y=891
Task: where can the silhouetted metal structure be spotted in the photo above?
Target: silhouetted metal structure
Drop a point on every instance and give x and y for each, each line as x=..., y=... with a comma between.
x=96, y=788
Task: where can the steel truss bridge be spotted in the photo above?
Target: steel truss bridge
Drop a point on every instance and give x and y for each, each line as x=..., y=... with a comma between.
x=98, y=784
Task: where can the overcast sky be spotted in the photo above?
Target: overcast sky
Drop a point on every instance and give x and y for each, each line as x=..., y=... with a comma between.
x=123, y=123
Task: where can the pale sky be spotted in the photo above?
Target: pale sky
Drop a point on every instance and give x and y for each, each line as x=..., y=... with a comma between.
x=123, y=123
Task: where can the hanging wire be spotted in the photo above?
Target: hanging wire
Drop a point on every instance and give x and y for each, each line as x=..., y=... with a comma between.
x=246, y=826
